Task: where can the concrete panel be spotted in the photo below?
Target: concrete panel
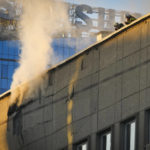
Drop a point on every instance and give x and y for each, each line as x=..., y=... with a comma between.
x=48, y=128
x=143, y=77
x=32, y=119
x=81, y=129
x=94, y=123
x=14, y=142
x=49, y=90
x=106, y=117
x=47, y=86
x=145, y=99
x=81, y=105
x=107, y=72
x=131, y=61
x=95, y=78
x=144, y=34
x=148, y=32
x=62, y=77
x=120, y=46
x=148, y=74
x=117, y=112
x=131, y=40
x=4, y=108
x=60, y=139
x=72, y=66
x=110, y=92
x=33, y=134
x=144, y=55
x=32, y=106
x=61, y=95
x=86, y=65
x=44, y=84
x=3, y=136
x=95, y=60
x=108, y=53
x=130, y=106
x=82, y=84
x=148, y=52
x=130, y=82
x=38, y=145
x=10, y=125
x=49, y=143
x=25, y=148
x=94, y=96
x=119, y=66
x=47, y=100
x=59, y=114
x=47, y=113
x=3, y=128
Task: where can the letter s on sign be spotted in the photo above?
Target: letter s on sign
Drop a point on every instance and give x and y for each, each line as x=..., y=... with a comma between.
x=80, y=14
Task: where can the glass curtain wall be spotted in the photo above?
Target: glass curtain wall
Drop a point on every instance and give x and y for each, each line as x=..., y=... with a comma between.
x=10, y=50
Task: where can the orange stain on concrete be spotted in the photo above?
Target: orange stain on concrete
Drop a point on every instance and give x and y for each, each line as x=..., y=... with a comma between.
x=70, y=103
x=3, y=123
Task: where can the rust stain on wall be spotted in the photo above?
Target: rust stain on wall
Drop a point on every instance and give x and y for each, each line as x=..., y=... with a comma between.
x=3, y=123
x=72, y=84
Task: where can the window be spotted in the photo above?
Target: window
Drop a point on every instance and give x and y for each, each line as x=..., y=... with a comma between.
x=4, y=71
x=83, y=64
x=147, y=129
x=50, y=78
x=105, y=140
x=129, y=135
x=83, y=145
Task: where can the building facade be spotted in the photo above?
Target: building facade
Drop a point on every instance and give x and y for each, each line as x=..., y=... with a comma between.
x=96, y=100
x=9, y=56
x=10, y=52
x=86, y=22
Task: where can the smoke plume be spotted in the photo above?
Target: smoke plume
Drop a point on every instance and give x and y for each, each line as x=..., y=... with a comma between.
x=40, y=20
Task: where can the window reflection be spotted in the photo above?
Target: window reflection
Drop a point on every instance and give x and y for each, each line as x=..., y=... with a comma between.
x=82, y=146
x=105, y=141
x=129, y=135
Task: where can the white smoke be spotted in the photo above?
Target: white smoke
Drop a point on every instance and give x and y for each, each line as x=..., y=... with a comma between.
x=40, y=20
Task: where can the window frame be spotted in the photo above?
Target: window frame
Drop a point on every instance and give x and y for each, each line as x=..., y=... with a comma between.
x=103, y=132
x=122, y=132
x=147, y=127
x=83, y=141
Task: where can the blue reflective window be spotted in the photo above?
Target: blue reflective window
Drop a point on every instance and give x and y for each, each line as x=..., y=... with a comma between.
x=4, y=83
x=4, y=71
x=2, y=90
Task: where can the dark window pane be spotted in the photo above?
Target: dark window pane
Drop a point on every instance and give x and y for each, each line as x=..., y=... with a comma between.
x=82, y=146
x=129, y=135
x=105, y=141
x=4, y=71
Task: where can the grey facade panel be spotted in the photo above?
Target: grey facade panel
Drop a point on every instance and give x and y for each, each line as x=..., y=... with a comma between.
x=91, y=92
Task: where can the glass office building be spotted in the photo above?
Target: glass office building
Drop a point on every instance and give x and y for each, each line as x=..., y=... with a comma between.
x=9, y=56
x=10, y=50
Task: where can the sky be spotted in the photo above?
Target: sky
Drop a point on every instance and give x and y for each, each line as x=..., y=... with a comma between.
x=139, y=6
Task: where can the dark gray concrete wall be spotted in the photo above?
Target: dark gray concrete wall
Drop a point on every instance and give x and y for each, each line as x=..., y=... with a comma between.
x=107, y=85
